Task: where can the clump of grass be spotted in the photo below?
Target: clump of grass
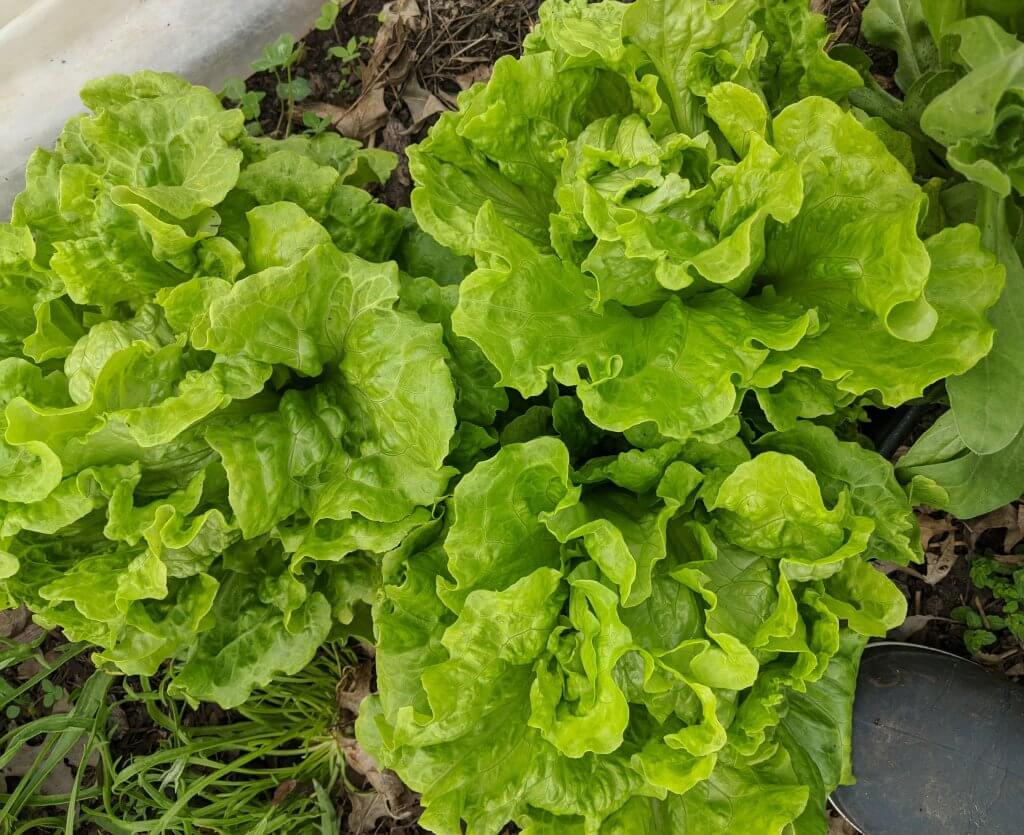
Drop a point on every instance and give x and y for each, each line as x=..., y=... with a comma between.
x=273, y=765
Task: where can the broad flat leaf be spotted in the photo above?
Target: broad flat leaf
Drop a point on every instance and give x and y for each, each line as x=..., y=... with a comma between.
x=985, y=429
x=902, y=26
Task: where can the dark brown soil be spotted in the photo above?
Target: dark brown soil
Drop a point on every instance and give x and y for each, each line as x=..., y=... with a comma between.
x=844, y=22
x=324, y=72
x=454, y=39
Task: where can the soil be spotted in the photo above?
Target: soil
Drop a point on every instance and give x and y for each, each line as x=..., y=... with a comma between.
x=843, y=18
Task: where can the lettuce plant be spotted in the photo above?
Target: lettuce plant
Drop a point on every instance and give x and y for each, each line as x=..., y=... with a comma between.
x=213, y=410
x=662, y=640
x=670, y=211
x=961, y=70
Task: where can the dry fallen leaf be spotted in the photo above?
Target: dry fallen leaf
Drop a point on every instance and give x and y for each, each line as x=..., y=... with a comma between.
x=993, y=659
x=384, y=782
x=938, y=565
x=1014, y=560
x=284, y=791
x=13, y=622
x=933, y=527
x=60, y=780
x=354, y=685
x=888, y=568
x=365, y=117
x=360, y=121
x=1006, y=518
x=1016, y=670
x=368, y=809
x=400, y=18
x=390, y=64
x=838, y=825
x=398, y=801
x=1015, y=536
x=467, y=79
x=422, y=103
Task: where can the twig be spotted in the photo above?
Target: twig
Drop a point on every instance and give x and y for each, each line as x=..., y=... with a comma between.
x=981, y=611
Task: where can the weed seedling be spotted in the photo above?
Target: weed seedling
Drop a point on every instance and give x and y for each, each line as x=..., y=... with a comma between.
x=329, y=14
x=247, y=100
x=315, y=125
x=1006, y=582
x=280, y=57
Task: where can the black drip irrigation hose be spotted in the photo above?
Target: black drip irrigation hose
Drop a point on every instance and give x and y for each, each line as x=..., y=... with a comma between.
x=895, y=433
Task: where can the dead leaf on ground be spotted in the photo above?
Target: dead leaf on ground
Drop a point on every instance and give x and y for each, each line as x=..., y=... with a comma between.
x=361, y=121
x=368, y=115
x=401, y=17
x=1009, y=519
x=398, y=801
x=422, y=103
x=1015, y=535
x=396, y=139
x=1014, y=560
x=933, y=527
x=284, y=791
x=77, y=752
x=481, y=72
x=888, y=568
x=838, y=825
x=1016, y=670
x=362, y=762
x=354, y=685
x=998, y=658
x=939, y=564
x=14, y=621
x=60, y=780
x=368, y=809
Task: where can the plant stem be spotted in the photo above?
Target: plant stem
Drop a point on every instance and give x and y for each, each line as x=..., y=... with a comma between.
x=291, y=103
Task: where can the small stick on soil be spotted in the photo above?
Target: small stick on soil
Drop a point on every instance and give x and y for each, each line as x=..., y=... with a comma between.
x=981, y=611
x=917, y=602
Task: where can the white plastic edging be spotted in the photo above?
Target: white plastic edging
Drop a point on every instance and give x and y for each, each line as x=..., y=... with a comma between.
x=50, y=48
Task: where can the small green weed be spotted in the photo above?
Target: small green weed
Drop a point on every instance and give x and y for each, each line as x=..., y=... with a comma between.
x=1006, y=582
